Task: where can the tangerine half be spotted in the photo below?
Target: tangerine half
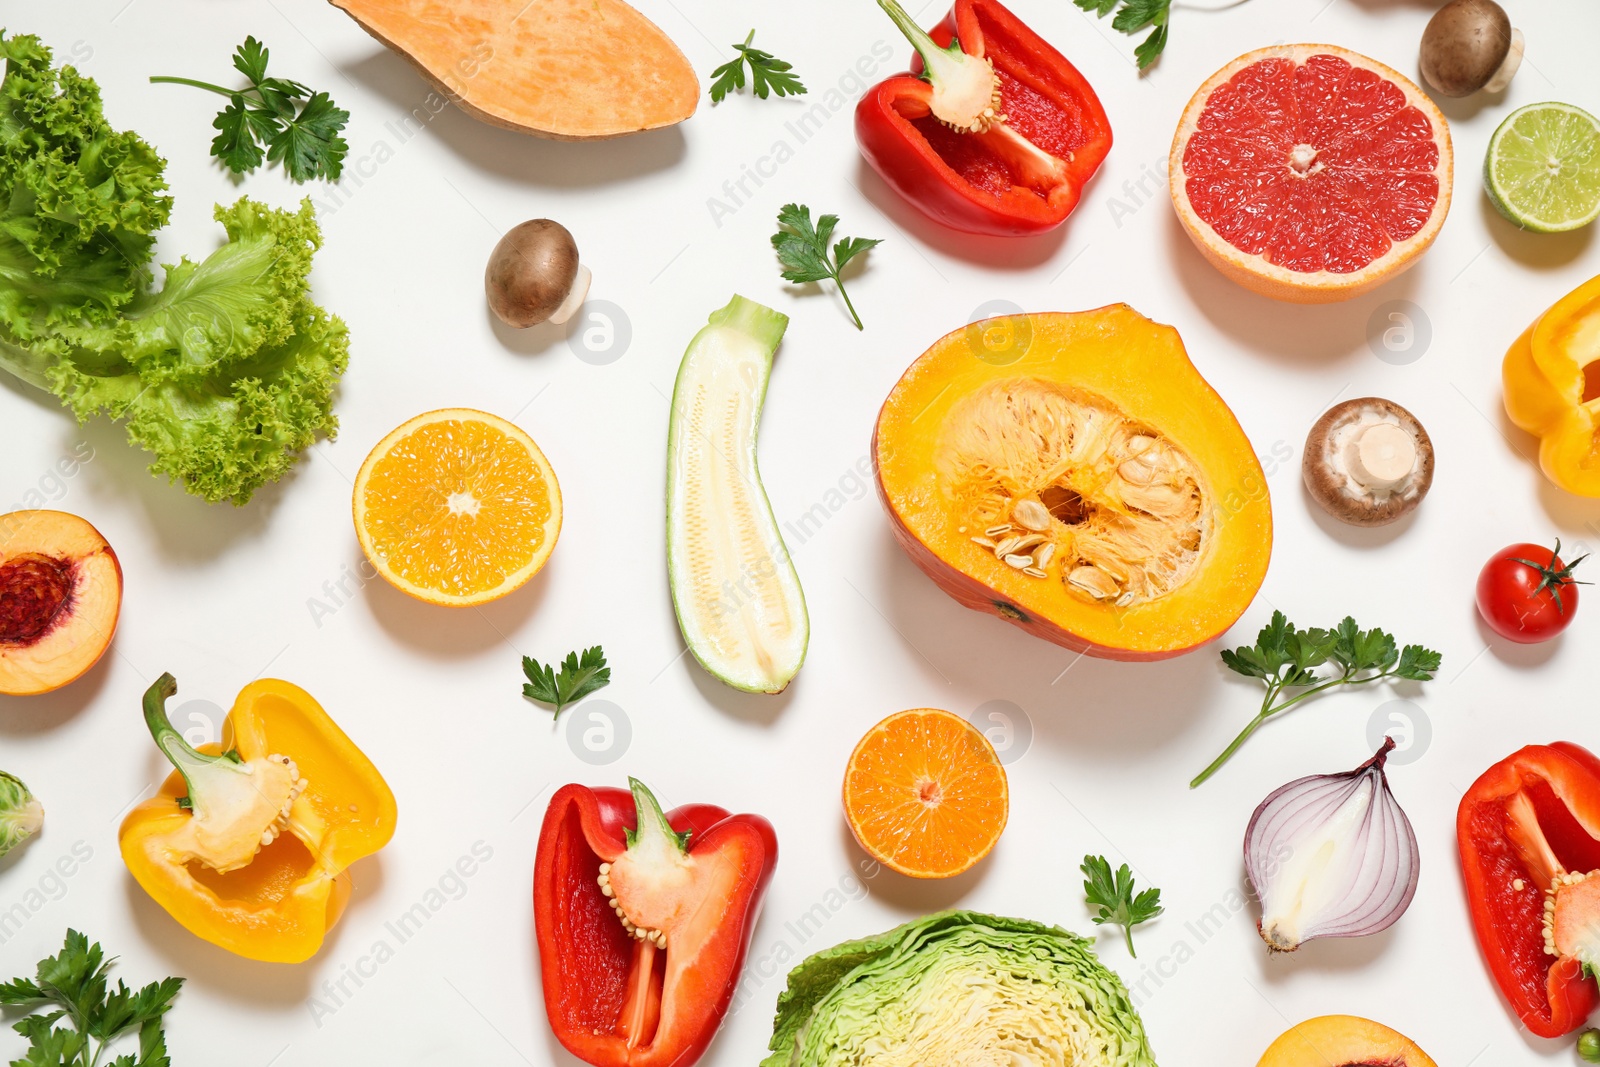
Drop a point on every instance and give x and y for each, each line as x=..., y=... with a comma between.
x=925, y=794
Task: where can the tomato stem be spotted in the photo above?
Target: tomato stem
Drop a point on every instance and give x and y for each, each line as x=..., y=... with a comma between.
x=1552, y=577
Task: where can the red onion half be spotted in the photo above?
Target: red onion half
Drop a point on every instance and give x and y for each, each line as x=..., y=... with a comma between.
x=1331, y=855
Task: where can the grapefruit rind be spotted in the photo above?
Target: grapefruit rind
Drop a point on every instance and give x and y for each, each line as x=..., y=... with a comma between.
x=1254, y=271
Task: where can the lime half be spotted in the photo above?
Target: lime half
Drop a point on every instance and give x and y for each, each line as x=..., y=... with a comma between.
x=1543, y=168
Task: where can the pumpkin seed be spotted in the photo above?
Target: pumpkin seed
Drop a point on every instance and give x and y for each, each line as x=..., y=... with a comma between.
x=1006, y=547
x=984, y=541
x=1019, y=562
x=1034, y=572
x=1094, y=581
x=1043, y=556
x=1031, y=514
x=996, y=531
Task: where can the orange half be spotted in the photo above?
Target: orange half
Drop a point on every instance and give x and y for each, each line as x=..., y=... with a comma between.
x=457, y=507
x=925, y=794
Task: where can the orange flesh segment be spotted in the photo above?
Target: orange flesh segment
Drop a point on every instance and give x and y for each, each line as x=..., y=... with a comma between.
x=565, y=68
x=458, y=507
x=925, y=794
x=1363, y=180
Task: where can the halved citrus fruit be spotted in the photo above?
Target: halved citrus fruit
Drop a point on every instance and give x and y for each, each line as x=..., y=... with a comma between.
x=925, y=794
x=1542, y=170
x=457, y=507
x=1311, y=173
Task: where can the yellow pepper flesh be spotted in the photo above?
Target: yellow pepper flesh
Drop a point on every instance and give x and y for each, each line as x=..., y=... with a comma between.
x=1547, y=391
x=280, y=905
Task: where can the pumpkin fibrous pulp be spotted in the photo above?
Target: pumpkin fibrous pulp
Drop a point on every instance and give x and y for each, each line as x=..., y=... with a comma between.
x=1081, y=480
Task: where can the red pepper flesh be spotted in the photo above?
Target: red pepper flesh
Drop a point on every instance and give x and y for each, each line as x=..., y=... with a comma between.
x=1534, y=814
x=613, y=1000
x=986, y=183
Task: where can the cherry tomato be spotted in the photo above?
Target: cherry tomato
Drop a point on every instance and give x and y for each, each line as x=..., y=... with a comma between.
x=1526, y=594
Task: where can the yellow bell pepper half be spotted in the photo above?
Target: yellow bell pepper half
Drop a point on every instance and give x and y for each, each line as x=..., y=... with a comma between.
x=1549, y=394
x=248, y=843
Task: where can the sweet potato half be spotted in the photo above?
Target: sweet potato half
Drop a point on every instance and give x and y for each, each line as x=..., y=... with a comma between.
x=567, y=69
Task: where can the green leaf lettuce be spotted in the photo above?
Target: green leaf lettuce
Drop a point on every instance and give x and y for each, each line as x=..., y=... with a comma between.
x=228, y=371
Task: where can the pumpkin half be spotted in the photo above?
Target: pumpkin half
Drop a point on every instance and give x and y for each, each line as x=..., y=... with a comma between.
x=1074, y=474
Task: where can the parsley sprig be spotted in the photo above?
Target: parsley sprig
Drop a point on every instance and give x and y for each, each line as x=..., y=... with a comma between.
x=1286, y=658
x=803, y=249
x=578, y=677
x=1113, y=895
x=767, y=73
x=1133, y=16
x=74, y=984
x=275, y=119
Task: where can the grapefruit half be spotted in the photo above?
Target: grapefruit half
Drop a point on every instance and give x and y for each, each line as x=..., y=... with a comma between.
x=1311, y=173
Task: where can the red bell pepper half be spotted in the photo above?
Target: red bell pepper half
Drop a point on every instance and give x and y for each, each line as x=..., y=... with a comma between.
x=993, y=132
x=643, y=920
x=1529, y=835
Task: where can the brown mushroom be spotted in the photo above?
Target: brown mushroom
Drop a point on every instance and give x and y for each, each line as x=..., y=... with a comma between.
x=1368, y=461
x=534, y=275
x=1469, y=45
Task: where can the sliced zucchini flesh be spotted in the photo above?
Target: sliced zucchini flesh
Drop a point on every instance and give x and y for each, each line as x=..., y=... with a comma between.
x=734, y=588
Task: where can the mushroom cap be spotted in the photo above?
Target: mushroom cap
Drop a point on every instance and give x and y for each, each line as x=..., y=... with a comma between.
x=1331, y=485
x=530, y=272
x=1464, y=45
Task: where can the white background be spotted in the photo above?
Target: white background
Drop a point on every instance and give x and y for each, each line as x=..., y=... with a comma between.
x=219, y=595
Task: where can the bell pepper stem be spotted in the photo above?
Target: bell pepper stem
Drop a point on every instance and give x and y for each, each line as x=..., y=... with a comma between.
x=926, y=46
x=651, y=829
x=171, y=743
x=966, y=90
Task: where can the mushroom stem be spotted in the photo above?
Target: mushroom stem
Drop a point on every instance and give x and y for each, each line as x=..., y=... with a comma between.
x=1508, y=66
x=574, y=298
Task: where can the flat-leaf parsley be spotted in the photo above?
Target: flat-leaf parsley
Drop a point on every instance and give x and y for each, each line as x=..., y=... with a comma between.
x=274, y=119
x=73, y=986
x=803, y=249
x=767, y=74
x=1113, y=896
x=577, y=678
x=1286, y=658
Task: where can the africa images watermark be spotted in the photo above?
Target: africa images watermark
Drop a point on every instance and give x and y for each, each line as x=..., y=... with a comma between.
x=51, y=486
x=363, y=168
x=736, y=192
x=50, y=886
x=775, y=960
x=1157, y=972
x=451, y=886
x=852, y=485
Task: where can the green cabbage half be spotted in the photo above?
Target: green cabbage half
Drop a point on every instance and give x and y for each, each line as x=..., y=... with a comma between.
x=958, y=988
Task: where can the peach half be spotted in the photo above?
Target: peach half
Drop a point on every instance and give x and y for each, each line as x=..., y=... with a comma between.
x=1343, y=1041
x=60, y=595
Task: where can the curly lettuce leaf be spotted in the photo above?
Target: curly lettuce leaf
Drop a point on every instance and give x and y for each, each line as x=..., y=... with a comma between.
x=227, y=372
x=82, y=200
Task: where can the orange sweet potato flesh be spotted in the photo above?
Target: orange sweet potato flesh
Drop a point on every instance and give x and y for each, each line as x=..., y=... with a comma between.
x=566, y=69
